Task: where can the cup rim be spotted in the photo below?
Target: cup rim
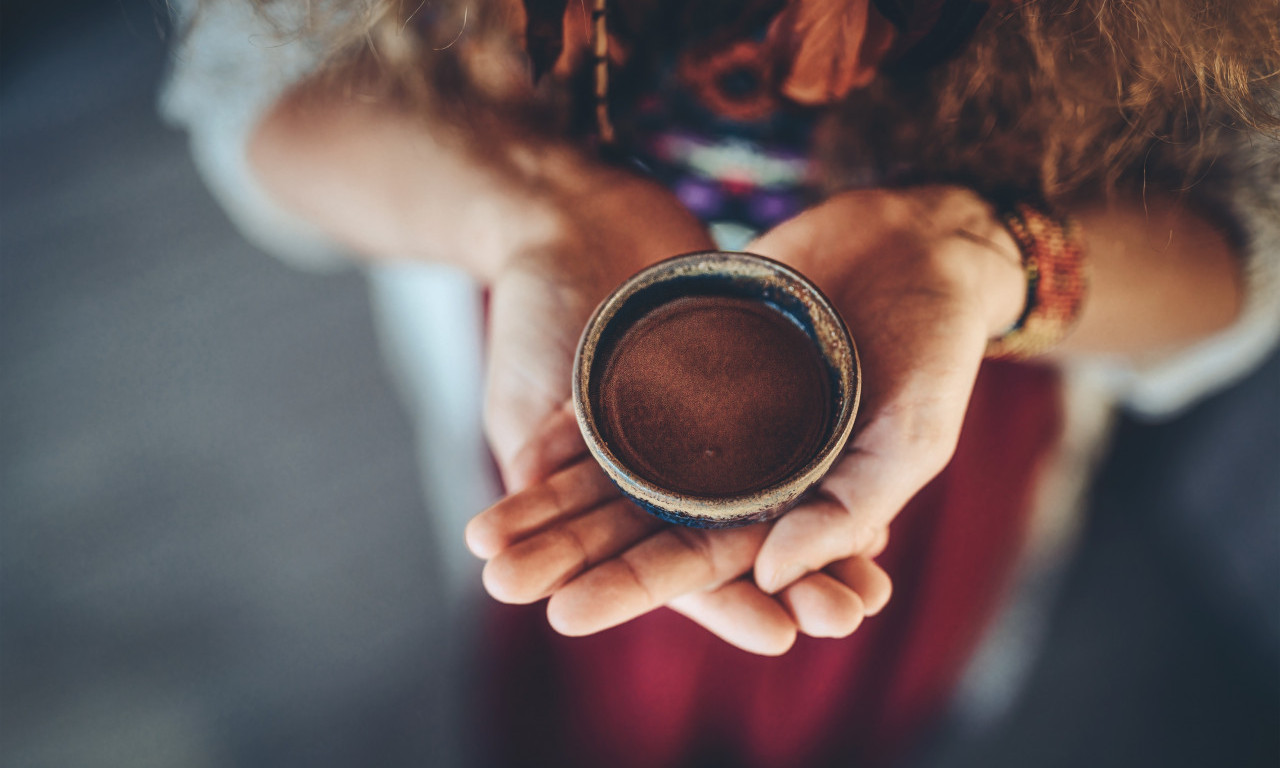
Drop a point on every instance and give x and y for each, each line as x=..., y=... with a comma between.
x=836, y=348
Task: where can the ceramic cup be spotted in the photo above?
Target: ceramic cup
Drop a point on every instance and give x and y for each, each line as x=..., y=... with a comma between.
x=631, y=369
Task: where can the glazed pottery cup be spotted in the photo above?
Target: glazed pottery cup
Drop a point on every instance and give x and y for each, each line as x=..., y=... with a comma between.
x=716, y=388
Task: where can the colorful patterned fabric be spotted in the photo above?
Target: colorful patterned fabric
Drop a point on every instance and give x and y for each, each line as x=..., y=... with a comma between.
x=713, y=129
x=720, y=126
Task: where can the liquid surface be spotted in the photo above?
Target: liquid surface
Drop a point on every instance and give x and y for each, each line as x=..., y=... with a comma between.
x=714, y=396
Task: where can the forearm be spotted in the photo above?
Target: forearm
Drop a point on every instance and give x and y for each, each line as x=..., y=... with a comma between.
x=1162, y=276
x=382, y=181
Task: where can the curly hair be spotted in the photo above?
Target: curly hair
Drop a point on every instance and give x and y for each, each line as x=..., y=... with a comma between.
x=1073, y=97
x=1061, y=97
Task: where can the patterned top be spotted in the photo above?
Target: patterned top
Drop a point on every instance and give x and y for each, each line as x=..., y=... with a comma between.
x=713, y=130
x=729, y=127
x=223, y=77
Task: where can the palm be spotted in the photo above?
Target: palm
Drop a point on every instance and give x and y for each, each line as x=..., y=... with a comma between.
x=541, y=299
x=602, y=562
x=535, y=316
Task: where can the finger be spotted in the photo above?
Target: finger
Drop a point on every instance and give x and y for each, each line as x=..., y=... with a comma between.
x=823, y=607
x=565, y=494
x=558, y=442
x=533, y=568
x=901, y=448
x=670, y=563
x=741, y=615
x=795, y=237
x=879, y=543
x=806, y=539
x=869, y=580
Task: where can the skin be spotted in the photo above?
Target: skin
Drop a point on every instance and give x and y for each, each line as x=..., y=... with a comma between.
x=551, y=233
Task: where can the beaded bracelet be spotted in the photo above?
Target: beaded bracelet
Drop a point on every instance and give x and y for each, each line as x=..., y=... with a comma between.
x=1053, y=258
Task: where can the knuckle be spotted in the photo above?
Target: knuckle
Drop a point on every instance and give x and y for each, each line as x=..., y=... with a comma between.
x=696, y=543
x=626, y=562
x=573, y=540
x=552, y=494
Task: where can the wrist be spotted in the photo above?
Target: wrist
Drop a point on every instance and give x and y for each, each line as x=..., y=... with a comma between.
x=972, y=245
x=1052, y=255
x=552, y=204
x=994, y=274
x=621, y=221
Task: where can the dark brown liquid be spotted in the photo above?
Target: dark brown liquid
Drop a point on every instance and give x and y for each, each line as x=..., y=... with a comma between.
x=714, y=396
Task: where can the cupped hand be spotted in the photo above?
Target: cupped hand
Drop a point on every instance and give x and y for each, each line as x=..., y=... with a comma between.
x=548, y=538
x=609, y=225
x=603, y=562
x=569, y=534
x=924, y=279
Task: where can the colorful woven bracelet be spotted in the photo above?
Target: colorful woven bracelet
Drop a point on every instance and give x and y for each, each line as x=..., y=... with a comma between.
x=1053, y=258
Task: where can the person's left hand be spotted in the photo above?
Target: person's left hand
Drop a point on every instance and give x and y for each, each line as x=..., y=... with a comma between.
x=923, y=277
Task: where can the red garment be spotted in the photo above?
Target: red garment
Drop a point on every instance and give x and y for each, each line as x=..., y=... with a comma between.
x=661, y=691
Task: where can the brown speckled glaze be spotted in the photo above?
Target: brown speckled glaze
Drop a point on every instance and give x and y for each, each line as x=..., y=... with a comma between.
x=730, y=275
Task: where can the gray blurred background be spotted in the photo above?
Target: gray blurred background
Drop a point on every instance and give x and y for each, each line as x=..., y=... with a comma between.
x=212, y=546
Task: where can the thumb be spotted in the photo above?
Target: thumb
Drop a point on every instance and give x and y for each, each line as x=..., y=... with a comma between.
x=793, y=237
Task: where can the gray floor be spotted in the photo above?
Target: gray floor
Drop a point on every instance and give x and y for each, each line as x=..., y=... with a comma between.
x=212, y=543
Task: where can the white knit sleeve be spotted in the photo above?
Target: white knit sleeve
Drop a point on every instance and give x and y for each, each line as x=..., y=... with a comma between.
x=230, y=63
x=1246, y=187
